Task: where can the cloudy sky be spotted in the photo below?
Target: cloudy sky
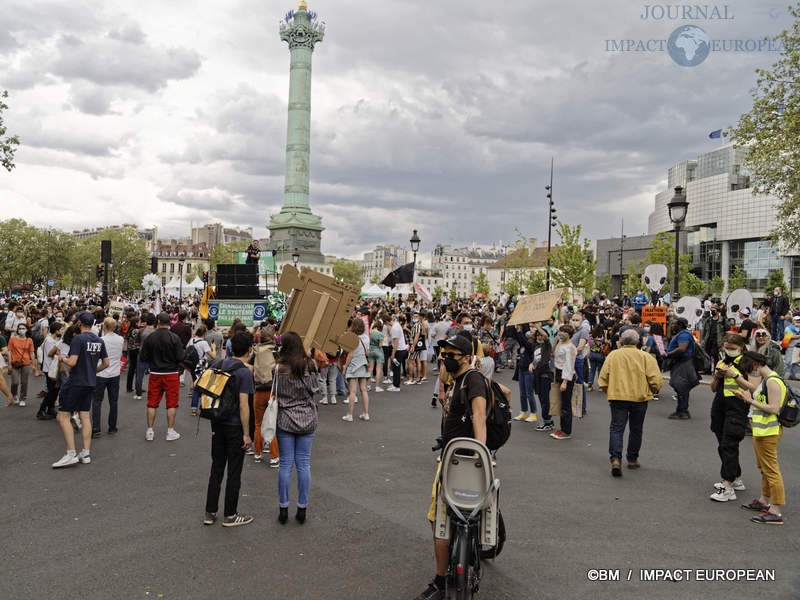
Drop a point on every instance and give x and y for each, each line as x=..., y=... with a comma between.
x=440, y=116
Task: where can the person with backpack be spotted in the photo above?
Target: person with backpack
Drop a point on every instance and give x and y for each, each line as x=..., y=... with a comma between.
x=199, y=355
x=766, y=393
x=467, y=395
x=230, y=437
x=295, y=382
x=683, y=376
x=629, y=378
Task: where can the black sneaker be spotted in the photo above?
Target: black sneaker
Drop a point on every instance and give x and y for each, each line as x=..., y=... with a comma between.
x=684, y=416
x=96, y=434
x=432, y=592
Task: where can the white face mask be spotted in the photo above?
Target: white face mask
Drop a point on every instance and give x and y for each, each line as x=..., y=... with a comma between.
x=467, y=327
x=732, y=353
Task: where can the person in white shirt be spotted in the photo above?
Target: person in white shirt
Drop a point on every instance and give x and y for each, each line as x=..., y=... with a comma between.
x=399, y=352
x=108, y=379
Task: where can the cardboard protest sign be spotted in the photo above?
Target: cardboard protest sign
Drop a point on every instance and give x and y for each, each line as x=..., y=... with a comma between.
x=656, y=314
x=319, y=309
x=536, y=307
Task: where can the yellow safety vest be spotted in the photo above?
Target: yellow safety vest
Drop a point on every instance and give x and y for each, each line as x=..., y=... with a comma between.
x=729, y=385
x=765, y=423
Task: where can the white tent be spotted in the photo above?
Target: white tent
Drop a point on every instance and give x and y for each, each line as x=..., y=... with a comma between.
x=196, y=285
x=173, y=286
x=372, y=290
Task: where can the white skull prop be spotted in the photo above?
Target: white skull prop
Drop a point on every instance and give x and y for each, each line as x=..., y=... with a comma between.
x=655, y=276
x=737, y=300
x=690, y=308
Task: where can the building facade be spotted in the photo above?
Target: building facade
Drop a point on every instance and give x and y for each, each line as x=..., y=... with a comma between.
x=212, y=234
x=149, y=235
x=615, y=255
x=727, y=226
x=381, y=261
x=168, y=257
x=460, y=266
x=516, y=265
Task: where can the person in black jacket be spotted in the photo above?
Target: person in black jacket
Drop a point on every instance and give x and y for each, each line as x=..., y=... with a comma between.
x=541, y=355
x=778, y=307
x=527, y=400
x=164, y=353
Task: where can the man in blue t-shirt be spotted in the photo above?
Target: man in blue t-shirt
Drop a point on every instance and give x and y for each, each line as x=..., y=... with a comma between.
x=87, y=356
x=230, y=438
x=683, y=376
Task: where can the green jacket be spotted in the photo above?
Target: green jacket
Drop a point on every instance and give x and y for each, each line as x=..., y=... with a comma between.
x=707, y=324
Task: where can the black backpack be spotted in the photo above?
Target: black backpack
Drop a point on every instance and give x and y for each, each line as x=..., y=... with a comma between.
x=701, y=360
x=219, y=393
x=498, y=413
x=789, y=415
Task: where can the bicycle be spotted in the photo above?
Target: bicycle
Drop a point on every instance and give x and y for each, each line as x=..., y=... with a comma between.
x=468, y=514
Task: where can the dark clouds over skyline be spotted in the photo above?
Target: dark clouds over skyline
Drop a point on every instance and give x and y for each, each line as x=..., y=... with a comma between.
x=438, y=116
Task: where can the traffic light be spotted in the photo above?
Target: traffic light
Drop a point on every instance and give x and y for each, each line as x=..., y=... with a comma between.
x=99, y=271
x=205, y=276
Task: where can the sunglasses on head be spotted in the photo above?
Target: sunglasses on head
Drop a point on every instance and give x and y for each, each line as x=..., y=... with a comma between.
x=761, y=335
x=450, y=355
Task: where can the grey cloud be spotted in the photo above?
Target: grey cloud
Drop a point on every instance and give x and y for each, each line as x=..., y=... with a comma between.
x=90, y=98
x=130, y=32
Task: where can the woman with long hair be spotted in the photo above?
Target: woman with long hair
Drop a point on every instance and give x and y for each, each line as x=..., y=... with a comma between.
x=564, y=361
x=294, y=385
x=356, y=372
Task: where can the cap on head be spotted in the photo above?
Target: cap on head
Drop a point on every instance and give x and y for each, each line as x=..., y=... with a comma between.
x=86, y=318
x=459, y=342
x=745, y=311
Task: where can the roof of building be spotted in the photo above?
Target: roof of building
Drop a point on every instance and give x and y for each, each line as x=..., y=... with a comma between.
x=523, y=258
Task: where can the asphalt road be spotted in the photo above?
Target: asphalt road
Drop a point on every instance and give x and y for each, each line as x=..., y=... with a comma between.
x=129, y=525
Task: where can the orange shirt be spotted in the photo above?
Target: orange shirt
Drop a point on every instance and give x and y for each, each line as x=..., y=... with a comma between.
x=20, y=350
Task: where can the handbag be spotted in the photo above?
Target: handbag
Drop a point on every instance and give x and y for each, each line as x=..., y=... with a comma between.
x=270, y=421
x=577, y=400
x=555, y=398
x=52, y=372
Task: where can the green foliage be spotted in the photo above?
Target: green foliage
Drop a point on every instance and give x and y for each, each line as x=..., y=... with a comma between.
x=536, y=282
x=572, y=265
x=603, y=284
x=130, y=259
x=775, y=279
x=8, y=143
x=514, y=282
x=349, y=272
x=737, y=279
x=453, y=294
x=482, y=284
x=223, y=254
x=716, y=286
x=633, y=279
x=770, y=139
x=692, y=285
x=437, y=293
x=376, y=279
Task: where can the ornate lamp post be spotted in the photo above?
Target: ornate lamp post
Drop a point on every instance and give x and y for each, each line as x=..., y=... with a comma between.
x=551, y=221
x=677, y=214
x=181, y=260
x=295, y=257
x=414, y=248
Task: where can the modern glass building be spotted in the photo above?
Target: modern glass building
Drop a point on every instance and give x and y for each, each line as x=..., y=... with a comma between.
x=727, y=224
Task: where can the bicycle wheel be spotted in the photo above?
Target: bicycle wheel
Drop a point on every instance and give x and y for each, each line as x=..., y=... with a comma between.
x=462, y=567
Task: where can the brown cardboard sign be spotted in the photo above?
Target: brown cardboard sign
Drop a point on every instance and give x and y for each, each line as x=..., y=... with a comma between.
x=536, y=307
x=319, y=309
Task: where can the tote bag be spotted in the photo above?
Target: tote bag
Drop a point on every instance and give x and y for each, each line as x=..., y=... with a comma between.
x=269, y=423
x=555, y=398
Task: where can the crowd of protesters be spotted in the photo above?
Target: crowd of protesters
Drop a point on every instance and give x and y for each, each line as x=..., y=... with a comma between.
x=558, y=359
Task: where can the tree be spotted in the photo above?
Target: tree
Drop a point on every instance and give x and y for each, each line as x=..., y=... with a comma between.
x=130, y=260
x=437, y=293
x=482, y=284
x=375, y=279
x=775, y=279
x=535, y=282
x=603, y=284
x=453, y=292
x=349, y=272
x=692, y=285
x=572, y=265
x=514, y=283
x=8, y=143
x=663, y=252
x=769, y=133
x=21, y=253
x=633, y=279
x=716, y=286
x=223, y=254
x=737, y=279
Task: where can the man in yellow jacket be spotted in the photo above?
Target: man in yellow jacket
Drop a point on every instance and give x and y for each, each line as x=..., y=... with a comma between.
x=629, y=378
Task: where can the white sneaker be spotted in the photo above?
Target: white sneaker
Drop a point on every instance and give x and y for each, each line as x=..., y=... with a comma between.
x=723, y=495
x=84, y=457
x=324, y=400
x=391, y=388
x=149, y=435
x=348, y=418
x=738, y=485
x=173, y=435
x=274, y=463
x=22, y=403
x=409, y=382
x=346, y=401
x=364, y=416
x=387, y=381
x=333, y=400
x=65, y=461
x=378, y=388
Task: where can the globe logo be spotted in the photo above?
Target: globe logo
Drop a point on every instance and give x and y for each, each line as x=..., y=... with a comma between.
x=259, y=312
x=688, y=45
x=213, y=312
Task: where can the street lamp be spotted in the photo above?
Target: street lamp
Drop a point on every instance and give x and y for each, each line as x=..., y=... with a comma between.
x=551, y=221
x=295, y=257
x=181, y=260
x=677, y=214
x=414, y=247
x=275, y=268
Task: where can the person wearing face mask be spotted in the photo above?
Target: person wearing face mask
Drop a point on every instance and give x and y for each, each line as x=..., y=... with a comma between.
x=580, y=339
x=728, y=417
x=564, y=360
x=23, y=359
x=682, y=376
x=47, y=408
x=712, y=330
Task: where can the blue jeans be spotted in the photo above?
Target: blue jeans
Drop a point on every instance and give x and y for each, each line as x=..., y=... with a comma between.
x=777, y=325
x=596, y=360
x=623, y=412
x=141, y=368
x=526, y=397
x=341, y=388
x=112, y=385
x=789, y=368
x=542, y=385
x=295, y=450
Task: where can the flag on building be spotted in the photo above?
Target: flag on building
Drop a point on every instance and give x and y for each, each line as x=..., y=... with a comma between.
x=715, y=135
x=403, y=274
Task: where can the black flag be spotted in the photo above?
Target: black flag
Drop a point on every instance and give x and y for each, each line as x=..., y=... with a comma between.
x=404, y=274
